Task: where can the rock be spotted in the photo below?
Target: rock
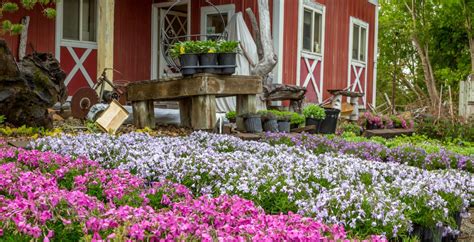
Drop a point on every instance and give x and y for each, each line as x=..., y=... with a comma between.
x=28, y=88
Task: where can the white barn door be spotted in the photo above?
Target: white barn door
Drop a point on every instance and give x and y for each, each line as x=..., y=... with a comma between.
x=358, y=54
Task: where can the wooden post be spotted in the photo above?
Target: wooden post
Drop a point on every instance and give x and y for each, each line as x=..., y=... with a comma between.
x=185, y=112
x=245, y=104
x=203, y=112
x=105, y=38
x=144, y=114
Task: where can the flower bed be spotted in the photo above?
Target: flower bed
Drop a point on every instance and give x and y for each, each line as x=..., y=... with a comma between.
x=367, y=197
x=45, y=195
x=404, y=154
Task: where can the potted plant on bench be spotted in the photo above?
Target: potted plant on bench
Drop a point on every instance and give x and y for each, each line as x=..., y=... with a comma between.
x=227, y=51
x=187, y=52
x=208, y=56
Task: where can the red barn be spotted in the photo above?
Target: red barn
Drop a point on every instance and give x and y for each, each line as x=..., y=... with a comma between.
x=321, y=44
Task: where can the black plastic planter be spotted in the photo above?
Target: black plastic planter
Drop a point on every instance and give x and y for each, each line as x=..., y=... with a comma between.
x=450, y=237
x=284, y=126
x=189, y=62
x=427, y=234
x=329, y=124
x=270, y=125
x=227, y=59
x=208, y=62
x=253, y=124
x=312, y=121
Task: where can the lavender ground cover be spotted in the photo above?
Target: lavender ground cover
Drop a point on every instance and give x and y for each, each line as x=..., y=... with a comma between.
x=367, y=197
x=408, y=154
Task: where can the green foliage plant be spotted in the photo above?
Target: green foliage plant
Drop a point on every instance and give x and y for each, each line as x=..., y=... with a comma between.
x=2, y=119
x=206, y=46
x=227, y=46
x=10, y=7
x=314, y=111
x=185, y=47
x=231, y=115
x=297, y=119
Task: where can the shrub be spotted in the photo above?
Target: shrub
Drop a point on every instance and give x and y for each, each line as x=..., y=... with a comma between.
x=349, y=127
x=314, y=111
x=231, y=115
x=445, y=129
x=297, y=119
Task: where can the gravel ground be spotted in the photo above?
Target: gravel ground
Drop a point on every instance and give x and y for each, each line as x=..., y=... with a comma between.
x=467, y=228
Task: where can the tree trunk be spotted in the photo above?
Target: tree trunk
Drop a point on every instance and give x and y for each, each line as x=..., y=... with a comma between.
x=427, y=72
x=29, y=88
x=269, y=60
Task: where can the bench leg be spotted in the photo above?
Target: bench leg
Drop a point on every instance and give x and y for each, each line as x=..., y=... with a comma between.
x=144, y=114
x=185, y=106
x=203, y=112
x=245, y=104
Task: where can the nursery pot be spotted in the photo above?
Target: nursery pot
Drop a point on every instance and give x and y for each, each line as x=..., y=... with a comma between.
x=189, y=62
x=329, y=124
x=233, y=120
x=370, y=126
x=253, y=124
x=284, y=126
x=227, y=59
x=451, y=237
x=270, y=125
x=313, y=121
x=294, y=126
x=208, y=62
x=427, y=234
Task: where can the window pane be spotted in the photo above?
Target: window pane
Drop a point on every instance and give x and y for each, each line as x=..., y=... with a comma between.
x=355, y=42
x=307, y=18
x=71, y=19
x=363, y=43
x=317, y=32
x=215, y=25
x=89, y=17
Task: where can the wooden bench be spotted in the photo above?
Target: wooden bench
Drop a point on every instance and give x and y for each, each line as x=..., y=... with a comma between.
x=196, y=96
x=387, y=133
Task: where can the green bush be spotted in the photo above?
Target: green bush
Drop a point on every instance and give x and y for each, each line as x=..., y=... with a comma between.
x=297, y=119
x=314, y=111
x=231, y=115
x=348, y=127
x=444, y=129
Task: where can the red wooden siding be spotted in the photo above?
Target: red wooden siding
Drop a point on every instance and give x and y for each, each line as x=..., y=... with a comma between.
x=240, y=6
x=40, y=32
x=336, y=59
x=132, y=40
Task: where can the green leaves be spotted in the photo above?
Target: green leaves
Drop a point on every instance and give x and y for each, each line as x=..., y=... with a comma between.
x=8, y=27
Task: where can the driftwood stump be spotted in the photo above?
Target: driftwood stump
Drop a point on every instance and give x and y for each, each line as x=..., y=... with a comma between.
x=280, y=92
x=28, y=88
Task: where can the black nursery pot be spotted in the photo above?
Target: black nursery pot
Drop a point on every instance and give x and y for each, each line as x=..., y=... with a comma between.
x=313, y=121
x=284, y=126
x=189, y=62
x=329, y=124
x=427, y=234
x=208, y=62
x=270, y=125
x=253, y=124
x=227, y=59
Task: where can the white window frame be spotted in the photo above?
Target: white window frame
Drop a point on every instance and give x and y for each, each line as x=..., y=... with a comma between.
x=318, y=8
x=361, y=24
x=227, y=8
x=313, y=11
x=73, y=43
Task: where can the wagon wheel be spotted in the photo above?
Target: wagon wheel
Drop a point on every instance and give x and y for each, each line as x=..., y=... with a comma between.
x=170, y=37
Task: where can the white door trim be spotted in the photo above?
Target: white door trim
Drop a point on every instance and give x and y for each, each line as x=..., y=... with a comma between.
x=278, y=41
x=300, y=53
x=155, y=32
x=352, y=64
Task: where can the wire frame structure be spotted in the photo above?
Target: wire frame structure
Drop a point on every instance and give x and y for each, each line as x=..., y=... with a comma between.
x=169, y=37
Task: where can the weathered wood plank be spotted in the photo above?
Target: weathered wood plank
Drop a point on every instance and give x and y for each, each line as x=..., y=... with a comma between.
x=143, y=114
x=185, y=112
x=204, y=84
x=203, y=112
x=245, y=104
